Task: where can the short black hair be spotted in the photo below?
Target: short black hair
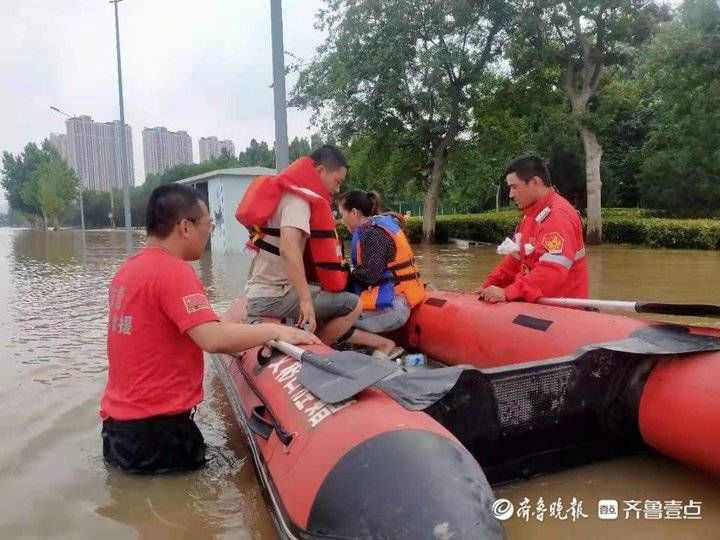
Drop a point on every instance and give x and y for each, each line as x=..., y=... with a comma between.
x=170, y=204
x=528, y=166
x=330, y=157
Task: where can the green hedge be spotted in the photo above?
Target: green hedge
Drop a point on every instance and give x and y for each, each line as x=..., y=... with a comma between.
x=620, y=226
x=662, y=232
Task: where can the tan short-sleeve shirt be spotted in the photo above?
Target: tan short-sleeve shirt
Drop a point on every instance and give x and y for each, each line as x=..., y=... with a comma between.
x=267, y=277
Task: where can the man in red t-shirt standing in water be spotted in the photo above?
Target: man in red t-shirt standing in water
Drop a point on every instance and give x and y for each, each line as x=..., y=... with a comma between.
x=159, y=324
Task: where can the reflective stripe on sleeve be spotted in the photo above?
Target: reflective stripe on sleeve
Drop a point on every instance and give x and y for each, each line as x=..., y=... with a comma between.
x=557, y=259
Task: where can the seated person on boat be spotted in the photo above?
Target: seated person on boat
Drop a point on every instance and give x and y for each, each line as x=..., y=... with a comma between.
x=292, y=231
x=384, y=272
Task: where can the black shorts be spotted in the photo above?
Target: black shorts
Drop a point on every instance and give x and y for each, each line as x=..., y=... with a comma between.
x=159, y=444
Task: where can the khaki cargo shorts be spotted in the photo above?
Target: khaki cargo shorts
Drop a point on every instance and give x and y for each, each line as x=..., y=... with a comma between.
x=328, y=305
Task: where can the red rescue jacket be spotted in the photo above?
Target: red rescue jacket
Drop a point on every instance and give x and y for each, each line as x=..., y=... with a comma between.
x=551, y=260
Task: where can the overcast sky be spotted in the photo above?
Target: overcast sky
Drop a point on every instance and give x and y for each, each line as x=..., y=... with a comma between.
x=203, y=66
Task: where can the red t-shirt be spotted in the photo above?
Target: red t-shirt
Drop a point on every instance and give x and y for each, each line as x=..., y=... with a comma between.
x=154, y=366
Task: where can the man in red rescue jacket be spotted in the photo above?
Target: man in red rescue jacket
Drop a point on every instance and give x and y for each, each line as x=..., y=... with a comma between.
x=298, y=238
x=547, y=255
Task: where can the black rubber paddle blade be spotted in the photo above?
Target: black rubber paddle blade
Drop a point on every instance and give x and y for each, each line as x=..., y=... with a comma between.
x=343, y=374
x=419, y=390
x=687, y=310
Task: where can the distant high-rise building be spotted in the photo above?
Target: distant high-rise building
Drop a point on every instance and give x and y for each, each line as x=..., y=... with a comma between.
x=210, y=147
x=162, y=149
x=94, y=152
x=59, y=142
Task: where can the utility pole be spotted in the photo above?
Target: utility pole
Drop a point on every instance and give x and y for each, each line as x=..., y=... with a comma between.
x=80, y=187
x=281, y=138
x=123, y=149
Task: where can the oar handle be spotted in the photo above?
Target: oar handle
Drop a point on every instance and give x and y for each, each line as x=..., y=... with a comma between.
x=586, y=303
x=292, y=350
x=304, y=355
x=686, y=310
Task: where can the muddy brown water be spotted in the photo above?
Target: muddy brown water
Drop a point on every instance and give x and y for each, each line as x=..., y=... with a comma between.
x=54, y=484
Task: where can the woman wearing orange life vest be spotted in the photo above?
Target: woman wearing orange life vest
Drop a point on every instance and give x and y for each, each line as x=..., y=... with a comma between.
x=384, y=272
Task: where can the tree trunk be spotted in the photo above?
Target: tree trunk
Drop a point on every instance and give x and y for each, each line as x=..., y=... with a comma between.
x=593, y=154
x=44, y=222
x=433, y=194
x=440, y=156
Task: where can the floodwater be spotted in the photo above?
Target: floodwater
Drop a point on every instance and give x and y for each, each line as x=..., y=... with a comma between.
x=54, y=483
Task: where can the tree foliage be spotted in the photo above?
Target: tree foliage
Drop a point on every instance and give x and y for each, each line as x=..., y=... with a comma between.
x=57, y=188
x=430, y=99
x=680, y=169
x=18, y=175
x=38, y=183
x=402, y=70
x=579, y=43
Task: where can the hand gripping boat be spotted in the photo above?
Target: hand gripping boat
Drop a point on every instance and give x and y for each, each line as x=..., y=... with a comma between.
x=530, y=389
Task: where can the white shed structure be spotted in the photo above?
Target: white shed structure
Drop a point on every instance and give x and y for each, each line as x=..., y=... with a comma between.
x=224, y=188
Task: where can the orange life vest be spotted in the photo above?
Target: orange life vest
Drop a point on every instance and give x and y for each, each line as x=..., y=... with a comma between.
x=324, y=260
x=401, y=276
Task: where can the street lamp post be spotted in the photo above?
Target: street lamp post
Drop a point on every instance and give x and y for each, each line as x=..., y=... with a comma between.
x=281, y=138
x=80, y=187
x=123, y=149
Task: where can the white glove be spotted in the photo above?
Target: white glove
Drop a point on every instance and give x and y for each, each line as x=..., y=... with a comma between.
x=507, y=247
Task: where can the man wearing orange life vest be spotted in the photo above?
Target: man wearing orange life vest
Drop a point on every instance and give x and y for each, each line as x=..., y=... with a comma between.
x=293, y=231
x=547, y=255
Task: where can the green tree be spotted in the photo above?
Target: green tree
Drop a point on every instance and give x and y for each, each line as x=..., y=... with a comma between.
x=681, y=85
x=20, y=180
x=577, y=42
x=405, y=67
x=623, y=124
x=523, y=114
x=56, y=188
x=22, y=176
x=258, y=154
x=388, y=164
x=226, y=155
x=185, y=170
x=299, y=147
x=315, y=142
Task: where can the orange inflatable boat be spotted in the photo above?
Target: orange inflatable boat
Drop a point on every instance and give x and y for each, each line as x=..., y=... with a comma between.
x=511, y=390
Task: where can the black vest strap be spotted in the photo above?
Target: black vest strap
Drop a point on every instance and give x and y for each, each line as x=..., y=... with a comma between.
x=266, y=246
x=332, y=265
x=314, y=233
x=270, y=231
x=398, y=279
x=400, y=266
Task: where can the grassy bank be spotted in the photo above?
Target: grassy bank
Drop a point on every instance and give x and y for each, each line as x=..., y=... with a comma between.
x=620, y=226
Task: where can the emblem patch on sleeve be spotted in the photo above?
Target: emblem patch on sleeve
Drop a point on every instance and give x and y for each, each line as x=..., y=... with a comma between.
x=196, y=302
x=553, y=242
